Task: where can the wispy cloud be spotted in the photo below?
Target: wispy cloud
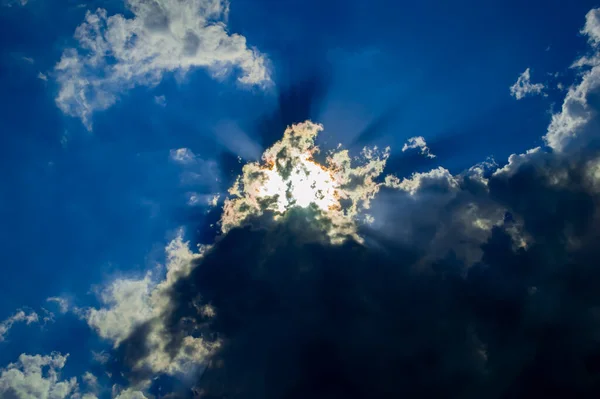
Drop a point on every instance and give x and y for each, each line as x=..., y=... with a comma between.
x=116, y=53
x=62, y=303
x=11, y=3
x=523, y=86
x=418, y=142
x=160, y=100
x=19, y=317
x=183, y=156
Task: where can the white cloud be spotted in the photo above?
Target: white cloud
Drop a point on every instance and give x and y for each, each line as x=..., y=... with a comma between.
x=129, y=303
x=440, y=179
x=287, y=176
x=62, y=303
x=523, y=87
x=28, y=59
x=37, y=377
x=183, y=156
x=209, y=200
x=117, y=53
x=418, y=142
x=10, y=3
x=576, y=123
x=19, y=317
x=160, y=100
x=90, y=379
x=592, y=26
x=43, y=77
x=130, y=393
x=515, y=161
x=101, y=357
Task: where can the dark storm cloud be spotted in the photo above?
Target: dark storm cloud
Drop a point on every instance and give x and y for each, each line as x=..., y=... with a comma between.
x=302, y=318
x=479, y=285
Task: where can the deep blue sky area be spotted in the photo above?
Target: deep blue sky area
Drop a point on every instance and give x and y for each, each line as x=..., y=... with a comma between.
x=79, y=207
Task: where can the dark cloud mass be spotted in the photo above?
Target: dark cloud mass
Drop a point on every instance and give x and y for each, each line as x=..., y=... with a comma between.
x=478, y=285
x=301, y=318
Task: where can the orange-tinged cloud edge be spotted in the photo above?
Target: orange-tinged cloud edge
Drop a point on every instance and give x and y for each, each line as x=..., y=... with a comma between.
x=340, y=191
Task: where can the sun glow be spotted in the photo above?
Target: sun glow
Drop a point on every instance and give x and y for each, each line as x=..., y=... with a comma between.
x=305, y=184
x=288, y=176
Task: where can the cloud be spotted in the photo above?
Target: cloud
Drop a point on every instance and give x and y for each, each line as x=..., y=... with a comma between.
x=523, y=87
x=10, y=3
x=498, y=261
x=469, y=285
x=577, y=122
x=288, y=176
x=128, y=305
x=117, y=53
x=91, y=381
x=183, y=156
x=131, y=304
x=131, y=394
x=19, y=317
x=299, y=317
x=592, y=26
x=42, y=76
x=160, y=100
x=439, y=178
x=207, y=200
x=63, y=304
x=418, y=142
x=101, y=357
x=36, y=376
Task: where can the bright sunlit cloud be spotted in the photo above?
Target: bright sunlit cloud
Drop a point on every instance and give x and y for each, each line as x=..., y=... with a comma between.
x=288, y=176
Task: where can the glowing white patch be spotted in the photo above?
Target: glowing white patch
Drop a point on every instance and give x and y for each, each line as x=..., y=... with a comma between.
x=287, y=176
x=306, y=184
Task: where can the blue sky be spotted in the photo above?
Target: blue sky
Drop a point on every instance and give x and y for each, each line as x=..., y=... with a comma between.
x=92, y=195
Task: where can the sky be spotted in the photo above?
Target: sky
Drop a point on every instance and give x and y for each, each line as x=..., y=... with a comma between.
x=262, y=199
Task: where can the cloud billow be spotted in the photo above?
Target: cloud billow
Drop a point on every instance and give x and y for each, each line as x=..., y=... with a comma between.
x=297, y=316
x=476, y=285
x=116, y=53
x=481, y=284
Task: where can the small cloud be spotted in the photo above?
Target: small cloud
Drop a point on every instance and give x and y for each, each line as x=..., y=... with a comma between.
x=418, y=142
x=214, y=200
x=28, y=59
x=548, y=48
x=19, y=317
x=42, y=77
x=101, y=357
x=91, y=381
x=592, y=26
x=62, y=303
x=10, y=3
x=130, y=393
x=439, y=179
x=196, y=199
x=160, y=100
x=523, y=86
x=183, y=156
